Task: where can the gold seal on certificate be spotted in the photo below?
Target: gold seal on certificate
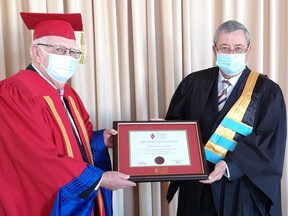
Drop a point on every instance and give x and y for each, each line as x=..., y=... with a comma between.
x=159, y=151
x=159, y=160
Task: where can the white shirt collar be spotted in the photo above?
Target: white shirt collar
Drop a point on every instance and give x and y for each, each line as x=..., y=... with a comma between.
x=232, y=80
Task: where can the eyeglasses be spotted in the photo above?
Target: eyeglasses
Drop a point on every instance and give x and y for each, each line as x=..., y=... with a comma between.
x=227, y=50
x=62, y=50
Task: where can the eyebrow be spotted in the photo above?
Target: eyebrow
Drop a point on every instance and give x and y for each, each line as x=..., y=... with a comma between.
x=236, y=45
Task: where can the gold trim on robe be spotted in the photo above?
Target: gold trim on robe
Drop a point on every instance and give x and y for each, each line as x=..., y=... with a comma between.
x=222, y=140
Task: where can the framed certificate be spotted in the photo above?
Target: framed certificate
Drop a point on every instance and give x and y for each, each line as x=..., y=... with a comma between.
x=159, y=150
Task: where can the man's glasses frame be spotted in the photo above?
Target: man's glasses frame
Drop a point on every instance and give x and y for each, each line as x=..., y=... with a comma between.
x=62, y=50
x=227, y=50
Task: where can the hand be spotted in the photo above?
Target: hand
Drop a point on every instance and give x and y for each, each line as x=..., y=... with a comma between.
x=217, y=174
x=113, y=180
x=108, y=137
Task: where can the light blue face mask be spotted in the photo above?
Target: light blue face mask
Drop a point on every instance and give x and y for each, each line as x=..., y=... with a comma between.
x=61, y=67
x=231, y=64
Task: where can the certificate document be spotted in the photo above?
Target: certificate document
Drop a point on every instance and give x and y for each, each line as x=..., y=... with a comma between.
x=159, y=150
x=162, y=148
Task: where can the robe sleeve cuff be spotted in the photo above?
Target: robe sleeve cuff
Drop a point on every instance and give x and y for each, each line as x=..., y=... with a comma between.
x=77, y=197
x=100, y=153
x=89, y=177
x=234, y=171
x=227, y=172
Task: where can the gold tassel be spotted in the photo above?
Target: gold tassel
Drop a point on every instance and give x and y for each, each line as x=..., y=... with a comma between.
x=83, y=48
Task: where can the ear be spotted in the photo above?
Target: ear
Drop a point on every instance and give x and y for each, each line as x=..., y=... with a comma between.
x=247, y=54
x=214, y=51
x=249, y=49
x=35, y=53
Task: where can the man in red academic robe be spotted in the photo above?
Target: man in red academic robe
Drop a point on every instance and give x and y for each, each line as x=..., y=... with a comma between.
x=52, y=162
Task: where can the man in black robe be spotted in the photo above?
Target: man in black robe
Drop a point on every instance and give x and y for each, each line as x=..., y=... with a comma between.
x=247, y=181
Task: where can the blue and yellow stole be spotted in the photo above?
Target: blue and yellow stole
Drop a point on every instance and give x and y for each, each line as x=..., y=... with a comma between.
x=237, y=124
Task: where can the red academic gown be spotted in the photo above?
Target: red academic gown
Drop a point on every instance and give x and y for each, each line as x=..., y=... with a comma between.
x=36, y=160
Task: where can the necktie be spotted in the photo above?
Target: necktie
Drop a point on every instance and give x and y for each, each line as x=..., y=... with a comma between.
x=222, y=96
x=79, y=142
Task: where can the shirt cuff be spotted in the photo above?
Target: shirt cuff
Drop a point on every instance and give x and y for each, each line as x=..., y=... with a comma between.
x=227, y=173
x=98, y=185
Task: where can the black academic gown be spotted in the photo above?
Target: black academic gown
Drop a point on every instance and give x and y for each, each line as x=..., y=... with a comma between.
x=256, y=164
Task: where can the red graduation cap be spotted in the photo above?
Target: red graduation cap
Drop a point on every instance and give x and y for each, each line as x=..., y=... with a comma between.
x=53, y=24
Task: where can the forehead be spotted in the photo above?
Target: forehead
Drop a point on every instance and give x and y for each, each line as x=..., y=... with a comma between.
x=56, y=40
x=233, y=38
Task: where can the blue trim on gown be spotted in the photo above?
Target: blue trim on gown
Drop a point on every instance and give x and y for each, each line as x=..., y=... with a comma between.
x=68, y=200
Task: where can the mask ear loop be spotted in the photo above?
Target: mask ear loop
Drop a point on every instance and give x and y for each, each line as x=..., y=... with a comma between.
x=83, y=48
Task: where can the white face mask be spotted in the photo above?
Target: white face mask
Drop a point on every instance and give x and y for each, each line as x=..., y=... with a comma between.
x=61, y=67
x=231, y=64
